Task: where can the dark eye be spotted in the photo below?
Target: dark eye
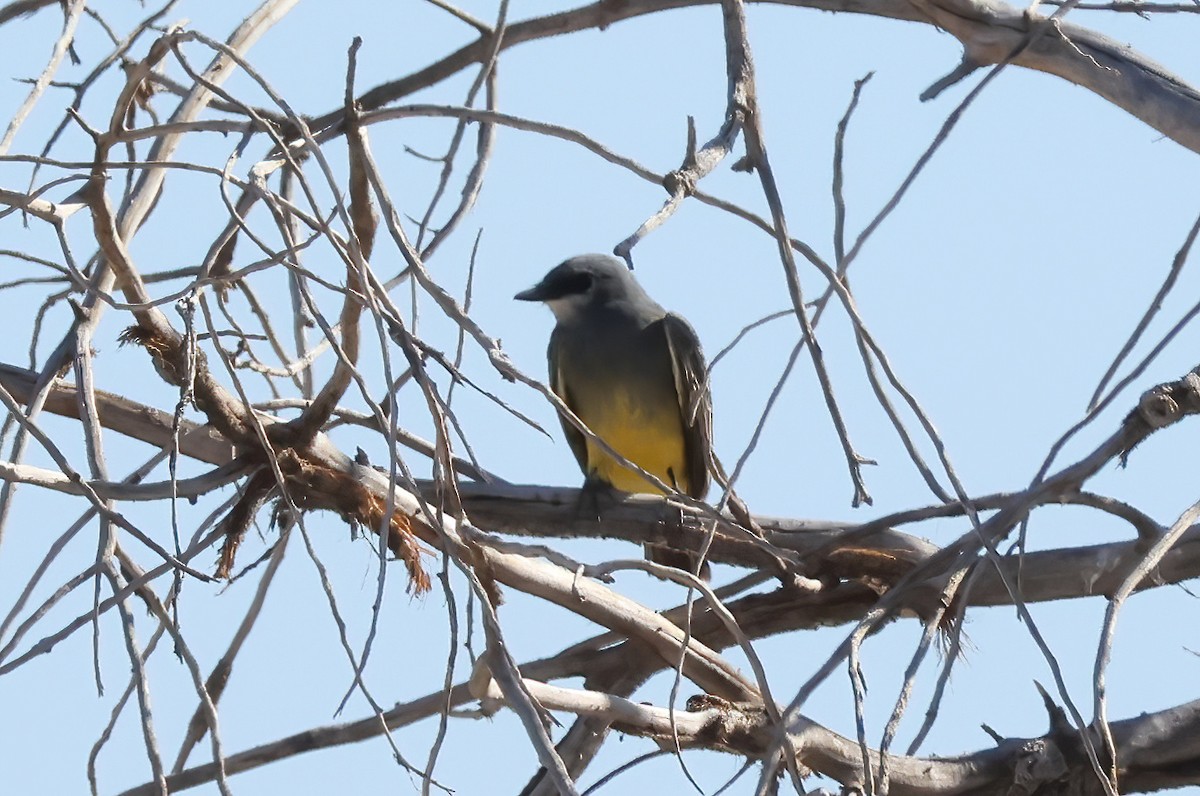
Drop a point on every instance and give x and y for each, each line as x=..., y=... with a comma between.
x=578, y=283
x=573, y=284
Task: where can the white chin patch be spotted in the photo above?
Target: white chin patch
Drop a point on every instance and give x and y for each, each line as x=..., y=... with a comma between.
x=563, y=308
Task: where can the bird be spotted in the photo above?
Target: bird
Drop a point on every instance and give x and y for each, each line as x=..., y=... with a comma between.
x=635, y=374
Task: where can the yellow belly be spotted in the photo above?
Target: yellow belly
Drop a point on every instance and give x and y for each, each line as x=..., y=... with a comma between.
x=651, y=438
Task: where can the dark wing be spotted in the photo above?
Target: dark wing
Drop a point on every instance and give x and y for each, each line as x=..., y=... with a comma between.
x=695, y=400
x=574, y=437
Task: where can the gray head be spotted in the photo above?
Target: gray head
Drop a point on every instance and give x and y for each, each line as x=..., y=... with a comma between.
x=589, y=280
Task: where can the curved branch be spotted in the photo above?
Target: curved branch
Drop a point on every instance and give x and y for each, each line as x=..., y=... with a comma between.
x=117, y=490
x=1157, y=750
x=989, y=31
x=871, y=549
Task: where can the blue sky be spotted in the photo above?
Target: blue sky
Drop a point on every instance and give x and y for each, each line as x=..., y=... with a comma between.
x=1001, y=288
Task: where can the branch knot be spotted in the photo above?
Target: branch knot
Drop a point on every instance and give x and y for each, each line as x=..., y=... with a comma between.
x=1169, y=403
x=1038, y=762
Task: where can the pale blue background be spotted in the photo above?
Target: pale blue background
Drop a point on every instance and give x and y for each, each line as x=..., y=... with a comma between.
x=1001, y=288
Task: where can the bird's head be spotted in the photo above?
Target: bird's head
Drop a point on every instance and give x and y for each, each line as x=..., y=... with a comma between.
x=589, y=280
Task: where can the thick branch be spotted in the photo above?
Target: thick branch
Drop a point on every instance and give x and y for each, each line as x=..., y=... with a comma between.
x=838, y=549
x=989, y=31
x=1157, y=750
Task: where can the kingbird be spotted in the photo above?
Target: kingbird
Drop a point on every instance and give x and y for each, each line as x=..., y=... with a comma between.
x=635, y=375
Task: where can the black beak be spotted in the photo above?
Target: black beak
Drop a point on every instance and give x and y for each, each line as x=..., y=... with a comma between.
x=534, y=293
